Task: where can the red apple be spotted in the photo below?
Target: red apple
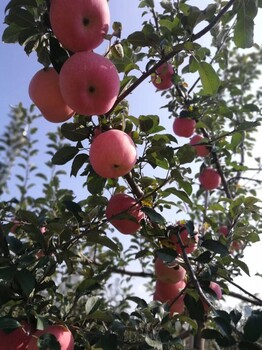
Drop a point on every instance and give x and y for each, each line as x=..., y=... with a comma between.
x=223, y=230
x=209, y=179
x=80, y=25
x=44, y=91
x=184, y=127
x=236, y=246
x=162, y=78
x=62, y=334
x=167, y=292
x=121, y=203
x=190, y=243
x=89, y=83
x=18, y=339
x=216, y=288
x=169, y=274
x=201, y=150
x=112, y=154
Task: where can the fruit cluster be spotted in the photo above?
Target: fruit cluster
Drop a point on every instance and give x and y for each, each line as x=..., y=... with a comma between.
x=88, y=83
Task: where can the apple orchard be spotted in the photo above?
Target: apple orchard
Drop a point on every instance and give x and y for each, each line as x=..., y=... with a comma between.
x=184, y=196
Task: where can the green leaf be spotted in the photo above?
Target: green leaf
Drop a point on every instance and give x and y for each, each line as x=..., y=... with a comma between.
x=11, y=34
x=209, y=78
x=95, y=183
x=148, y=123
x=92, y=304
x=87, y=286
x=186, y=154
x=26, y=281
x=140, y=302
x=247, y=125
x=7, y=273
x=20, y=17
x=64, y=155
x=48, y=341
x=167, y=254
x=215, y=246
x=154, y=216
x=242, y=265
x=75, y=131
x=28, y=216
x=8, y=324
x=20, y=3
x=95, y=237
x=78, y=162
x=244, y=28
x=253, y=326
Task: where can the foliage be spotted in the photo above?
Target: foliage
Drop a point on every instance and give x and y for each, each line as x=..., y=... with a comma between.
x=58, y=255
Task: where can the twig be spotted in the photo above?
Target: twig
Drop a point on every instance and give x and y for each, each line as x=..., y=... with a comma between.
x=242, y=297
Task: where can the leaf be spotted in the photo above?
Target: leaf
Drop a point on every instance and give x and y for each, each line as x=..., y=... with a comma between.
x=253, y=326
x=87, y=285
x=194, y=307
x=186, y=154
x=247, y=125
x=8, y=324
x=92, y=304
x=20, y=3
x=205, y=257
x=215, y=246
x=78, y=162
x=64, y=155
x=95, y=183
x=148, y=123
x=74, y=208
x=26, y=281
x=209, y=78
x=153, y=215
x=141, y=303
x=48, y=341
x=75, y=131
x=244, y=28
x=95, y=237
x=20, y=17
x=242, y=265
x=167, y=254
x=28, y=216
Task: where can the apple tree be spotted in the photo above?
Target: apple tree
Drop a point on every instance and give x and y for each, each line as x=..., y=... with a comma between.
x=169, y=202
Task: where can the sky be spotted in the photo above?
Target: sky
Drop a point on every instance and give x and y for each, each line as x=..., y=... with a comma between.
x=17, y=69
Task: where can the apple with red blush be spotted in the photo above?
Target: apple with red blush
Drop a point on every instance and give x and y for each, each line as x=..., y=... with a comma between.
x=44, y=91
x=17, y=339
x=209, y=179
x=89, y=83
x=169, y=273
x=112, y=154
x=201, y=150
x=168, y=292
x=80, y=25
x=162, y=78
x=119, y=204
x=184, y=127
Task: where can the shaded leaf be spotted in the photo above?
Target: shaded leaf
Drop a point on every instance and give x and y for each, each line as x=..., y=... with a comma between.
x=209, y=78
x=64, y=155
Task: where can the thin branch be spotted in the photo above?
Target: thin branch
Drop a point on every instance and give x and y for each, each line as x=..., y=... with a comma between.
x=242, y=297
x=176, y=49
x=242, y=289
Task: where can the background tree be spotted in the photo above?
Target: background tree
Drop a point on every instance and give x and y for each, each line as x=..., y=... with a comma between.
x=58, y=253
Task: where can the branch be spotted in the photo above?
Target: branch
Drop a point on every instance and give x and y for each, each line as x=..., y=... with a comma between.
x=176, y=49
x=242, y=289
x=214, y=22
x=242, y=297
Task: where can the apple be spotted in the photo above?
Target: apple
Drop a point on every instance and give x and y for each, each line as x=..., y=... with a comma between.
x=89, y=83
x=189, y=243
x=184, y=127
x=209, y=179
x=167, y=292
x=112, y=154
x=18, y=339
x=44, y=91
x=216, y=288
x=80, y=25
x=236, y=246
x=121, y=203
x=162, y=78
x=62, y=334
x=223, y=230
x=201, y=150
x=169, y=274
